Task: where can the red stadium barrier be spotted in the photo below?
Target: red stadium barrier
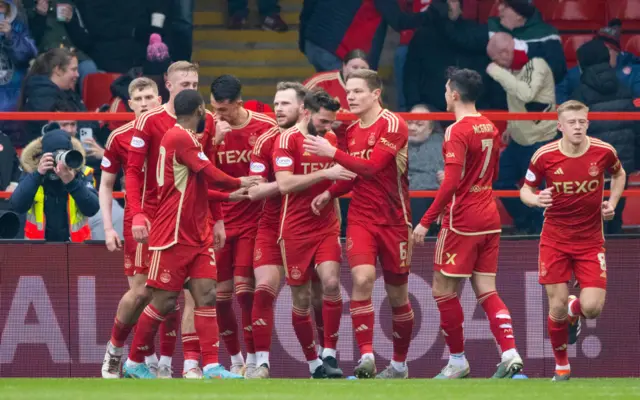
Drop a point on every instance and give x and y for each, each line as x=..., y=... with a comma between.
x=58, y=302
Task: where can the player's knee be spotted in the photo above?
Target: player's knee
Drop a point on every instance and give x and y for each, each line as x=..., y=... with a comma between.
x=207, y=298
x=331, y=285
x=363, y=282
x=558, y=307
x=301, y=298
x=142, y=296
x=591, y=308
x=170, y=304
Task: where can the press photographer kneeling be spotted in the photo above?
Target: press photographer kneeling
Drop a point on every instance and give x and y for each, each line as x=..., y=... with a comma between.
x=57, y=190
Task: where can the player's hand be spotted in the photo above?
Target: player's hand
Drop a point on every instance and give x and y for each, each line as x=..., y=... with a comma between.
x=45, y=164
x=248, y=181
x=419, y=233
x=440, y=177
x=608, y=211
x=545, y=198
x=222, y=128
x=339, y=173
x=219, y=235
x=319, y=146
x=320, y=202
x=112, y=239
x=140, y=228
x=240, y=194
x=506, y=137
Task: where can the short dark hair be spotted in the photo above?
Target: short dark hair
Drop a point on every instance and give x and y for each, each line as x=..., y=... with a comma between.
x=62, y=105
x=467, y=82
x=317, y=99
x=187, y=102
x=226, y=87
x=301, y=91
x=354, y=55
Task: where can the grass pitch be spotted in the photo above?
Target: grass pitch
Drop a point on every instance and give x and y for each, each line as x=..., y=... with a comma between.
x=306, y=389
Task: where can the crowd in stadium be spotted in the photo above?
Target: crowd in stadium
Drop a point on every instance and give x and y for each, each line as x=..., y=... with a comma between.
x=50, y=49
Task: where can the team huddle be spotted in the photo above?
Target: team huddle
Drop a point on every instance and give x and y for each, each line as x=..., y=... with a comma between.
x=231, y=201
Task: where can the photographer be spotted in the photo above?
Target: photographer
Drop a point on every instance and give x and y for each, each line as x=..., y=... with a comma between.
x=57, y=188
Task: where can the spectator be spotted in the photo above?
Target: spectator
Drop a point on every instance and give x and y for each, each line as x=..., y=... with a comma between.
x=48, y=21
x=529, y=87
x=9, y=165
x=16, y=49
x=626, y=64
x=333, y=82
x=452, y=40
x=330, y=29
x=601, y=90
x=269, y=15
x=58, y=200
x=426, y=165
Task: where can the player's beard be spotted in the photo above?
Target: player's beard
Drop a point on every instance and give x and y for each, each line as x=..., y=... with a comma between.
x=312, y=129
x=289, y=123
x=201, y=124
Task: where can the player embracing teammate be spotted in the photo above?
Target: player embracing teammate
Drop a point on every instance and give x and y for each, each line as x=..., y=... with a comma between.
x=572, y=238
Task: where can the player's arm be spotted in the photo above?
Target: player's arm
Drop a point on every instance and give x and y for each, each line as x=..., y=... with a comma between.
x=340, y=188
x=110, y=166
x=261, y=166
x=532, y=180
x=618, y=180
x=135, y=164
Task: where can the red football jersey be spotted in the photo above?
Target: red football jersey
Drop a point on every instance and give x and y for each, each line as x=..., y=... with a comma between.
x=262, y=165
x=296, y=218
x=181, y=190
x=383, y=199
x=148, y=132
x=333, y=84
x=575, y=216
x=474, y=143
x=233, y=156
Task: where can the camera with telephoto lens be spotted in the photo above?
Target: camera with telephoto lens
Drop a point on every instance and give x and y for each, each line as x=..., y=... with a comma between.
x=70, y=158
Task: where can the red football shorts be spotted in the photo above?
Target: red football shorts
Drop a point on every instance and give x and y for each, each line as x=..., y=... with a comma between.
x=391, y=244
x=267, y=250
x=461, y=256
x=300, y=256
x=589, y=266
x=137, y=257
x=236, y=257
x=171, y=267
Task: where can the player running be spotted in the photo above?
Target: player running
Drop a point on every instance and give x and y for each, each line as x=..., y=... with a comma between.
x=572, y=239
x=143, y=94
x=182, y=244
x=378, y=222
x=306, y=238
x=468, y=242
x=241, y=129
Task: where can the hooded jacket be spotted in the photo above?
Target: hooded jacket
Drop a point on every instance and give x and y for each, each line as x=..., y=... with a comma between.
x=56, y=193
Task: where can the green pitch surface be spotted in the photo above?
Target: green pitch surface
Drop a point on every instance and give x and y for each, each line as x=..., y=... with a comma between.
x=306, y=389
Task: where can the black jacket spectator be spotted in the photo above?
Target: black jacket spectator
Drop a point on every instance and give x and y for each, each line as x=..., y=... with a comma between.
x=56, y=193
x=9, y=164
x=601, y=90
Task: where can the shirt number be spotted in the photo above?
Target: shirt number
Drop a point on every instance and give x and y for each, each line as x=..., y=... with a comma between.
x=487, y=145
x=160, y=167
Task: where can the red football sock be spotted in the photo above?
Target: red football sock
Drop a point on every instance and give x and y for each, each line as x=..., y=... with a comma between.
x=262, y=317
x=191, y=346
x=244, y=294
x=451, y=320
x=227, y=322
x=575, y=309
x=120, y=333
x=363, y=318
x=499, y=320
x=317, y=317
x=168, y=332
x=559, y=336
x=331, y=315
x=147, y=327
x=303, y=327
x=402, y=325
x=207, y=330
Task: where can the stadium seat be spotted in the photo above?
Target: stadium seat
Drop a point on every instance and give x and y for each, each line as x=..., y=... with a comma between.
x=628, y=11
x=631, y=44
x=570, y=44
x=486, y=9
x=573, y=14
x=96, y=89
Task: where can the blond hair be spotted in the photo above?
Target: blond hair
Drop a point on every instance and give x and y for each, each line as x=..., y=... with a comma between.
x=371, y=78
x=182, y=66
x=572, y=105
x=141, y=84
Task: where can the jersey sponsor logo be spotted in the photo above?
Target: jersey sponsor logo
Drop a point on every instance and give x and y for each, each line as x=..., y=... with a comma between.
x=202, y=156
x=106, y=163
x=316, y=166
x=284, y=162
x=137, y=142
x=451, y=258
x=559, y=171
x=577, y=187
x=234, y=156
x=594, y=170
x=257, y=167
x=530, y=176
x=451, y=154
x=387, y=143
x=365, y=154
x=482, y=128
x=372, y=139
